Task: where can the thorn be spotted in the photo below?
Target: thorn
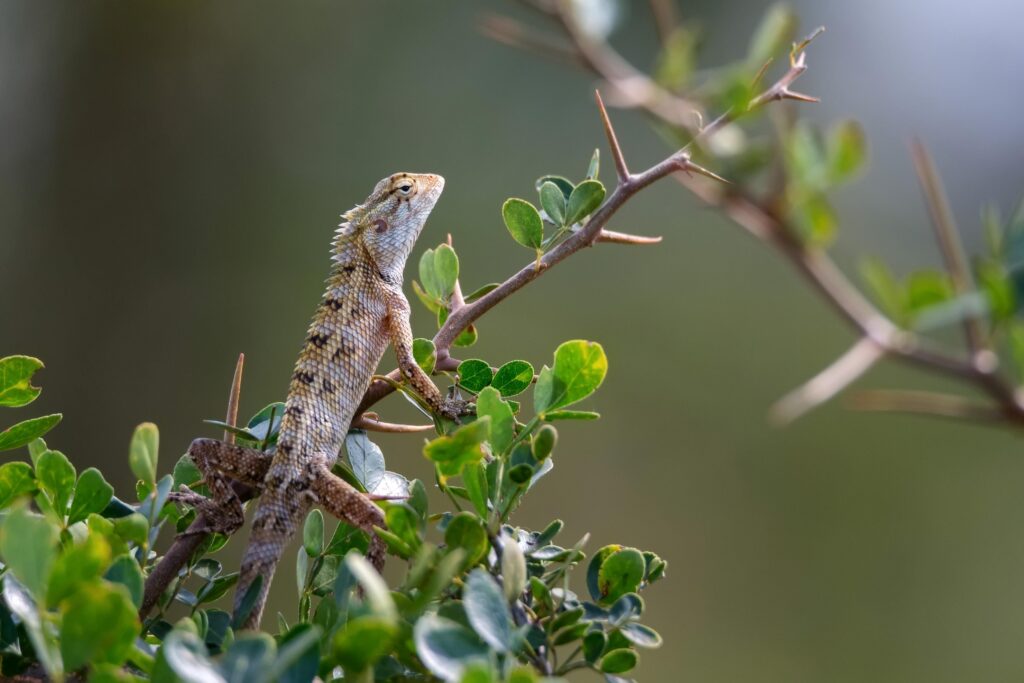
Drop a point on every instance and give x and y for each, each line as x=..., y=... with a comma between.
x=791, y=95
x=621, y=170
x=231, y=417
x=613, y=237
x=700, y=170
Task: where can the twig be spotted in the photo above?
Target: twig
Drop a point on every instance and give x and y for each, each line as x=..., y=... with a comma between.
x=847, y=369
x=948, y=237
x=926, y=403
x=514, y=34
x=371, y=423
x=666, y=18
x=782, y=90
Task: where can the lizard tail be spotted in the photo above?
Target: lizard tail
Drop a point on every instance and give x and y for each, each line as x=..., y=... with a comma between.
x=275, y=523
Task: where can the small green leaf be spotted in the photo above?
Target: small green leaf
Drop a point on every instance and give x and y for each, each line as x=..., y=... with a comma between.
x=513, y=377
x=133, y=528
x=418, y=497
x=775, y=32
x=816, y=219
x=487, y=610
x=502, y=422
x=475, y=374
x=363, y=641
x=184, y=657
x=378, y=597
x=927, y=288
x=298, y=655
x=428, y=275
x=593, y=645
x=553, y=202
x=125, y=571
x=481, y=292
x=425, y=354
x=27, y=431
x=640, y=635
x=143, y=452
x=313, y=533
x=447, y=647
x=451, y=453
x=92, y=494
x=77, y=565
x=541, y=593
x=513, y=568
x=594, y=168
x=618, y=661
x=446, y=269
x=427, y=299
x=28, y=546
x=16, y=380
x=56, y=476
x=563, y=184
x=544, y=442
x=523, y=222
x=466, y=531
x=580, y=367
x=474, y=476
x=366, y=459
x=186, y=473
x=36, y=448
x=16, y=479
x=99, y=626
x=846, y=150
x=585, y=199
x=521, y=474
x=886, y=289
x=467, y=337
x=620, y=573
x=554, y=415
x=301, y=577
x=404, y=523
x=594, y=569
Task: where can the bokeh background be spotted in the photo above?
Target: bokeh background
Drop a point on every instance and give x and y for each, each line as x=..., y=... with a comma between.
x=171, y=174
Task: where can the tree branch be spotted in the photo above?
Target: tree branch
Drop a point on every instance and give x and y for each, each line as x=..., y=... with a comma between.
x=950, y=245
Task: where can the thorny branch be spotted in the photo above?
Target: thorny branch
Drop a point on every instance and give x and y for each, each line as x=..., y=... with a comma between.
x=879, y=337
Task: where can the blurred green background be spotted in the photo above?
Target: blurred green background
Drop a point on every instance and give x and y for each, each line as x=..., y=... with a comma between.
x=171, y=174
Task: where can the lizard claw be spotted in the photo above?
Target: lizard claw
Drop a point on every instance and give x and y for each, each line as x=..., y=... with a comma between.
x=454, y=408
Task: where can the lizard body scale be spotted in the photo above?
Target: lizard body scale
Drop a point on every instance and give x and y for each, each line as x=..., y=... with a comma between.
x=362, y=311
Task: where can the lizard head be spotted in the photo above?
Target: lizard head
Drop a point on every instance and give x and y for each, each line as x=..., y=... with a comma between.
x=393, y=216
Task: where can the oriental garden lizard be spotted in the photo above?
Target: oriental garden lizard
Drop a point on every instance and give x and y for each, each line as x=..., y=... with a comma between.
x=362, y=310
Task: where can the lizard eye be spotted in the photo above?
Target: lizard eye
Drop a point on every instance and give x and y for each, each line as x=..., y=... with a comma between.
x=405, y=188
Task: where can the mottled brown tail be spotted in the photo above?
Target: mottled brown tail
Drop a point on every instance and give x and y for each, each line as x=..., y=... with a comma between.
x=275, y=523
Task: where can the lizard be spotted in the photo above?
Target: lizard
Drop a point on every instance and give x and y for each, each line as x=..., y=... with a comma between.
x=363, y=309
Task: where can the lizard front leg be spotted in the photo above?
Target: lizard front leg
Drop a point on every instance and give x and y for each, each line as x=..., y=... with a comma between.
x=400, y=332
x=221, y=463
x=348, y=504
